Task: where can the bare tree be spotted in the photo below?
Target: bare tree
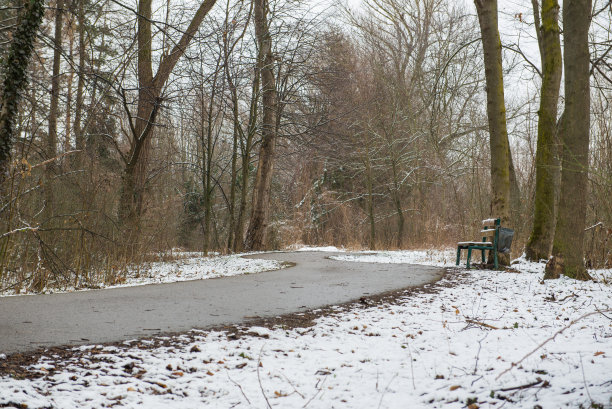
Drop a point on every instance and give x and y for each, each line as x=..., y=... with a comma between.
x=568, y=244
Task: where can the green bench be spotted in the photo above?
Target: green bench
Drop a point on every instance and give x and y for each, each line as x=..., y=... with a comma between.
x=490, y=238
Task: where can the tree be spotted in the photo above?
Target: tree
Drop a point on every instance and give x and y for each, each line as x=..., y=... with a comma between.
x=255, y=237
x=51, y=145
x=568, y=244
x=496, y=111
x=15, y=78
x=540, y=240
x=149, y=101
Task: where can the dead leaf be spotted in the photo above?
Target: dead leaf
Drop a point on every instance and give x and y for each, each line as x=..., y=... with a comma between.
x=209, y=373
x=455, y=387
x=599, y=353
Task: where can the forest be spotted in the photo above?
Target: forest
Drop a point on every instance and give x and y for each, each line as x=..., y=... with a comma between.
x=131, y=128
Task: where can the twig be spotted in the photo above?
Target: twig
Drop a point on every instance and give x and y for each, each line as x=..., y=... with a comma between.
x=550, y=339
x=528, y=385
x=319, y=389
x=586, y=387
x=293, y=386
x=568, y=296
x=594, y=226
x=478, y=353
x=386, y=389
x=411, y=367
x=239, y=387
x=482, y=324
x=259, y=377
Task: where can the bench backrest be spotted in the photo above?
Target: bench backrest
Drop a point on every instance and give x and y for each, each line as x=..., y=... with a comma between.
x=490, y=228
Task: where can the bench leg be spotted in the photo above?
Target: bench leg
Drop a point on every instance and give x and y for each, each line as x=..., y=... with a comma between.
x=458, y=255
x=483, y=256
x=495, y=258
x=469, y=257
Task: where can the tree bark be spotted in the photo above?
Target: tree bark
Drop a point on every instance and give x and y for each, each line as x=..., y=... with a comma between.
x=568, y=244
x=496, y=112
x=540, y=241
x=256, y=234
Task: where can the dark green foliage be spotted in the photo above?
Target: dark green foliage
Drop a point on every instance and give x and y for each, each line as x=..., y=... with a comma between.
x=15, y=76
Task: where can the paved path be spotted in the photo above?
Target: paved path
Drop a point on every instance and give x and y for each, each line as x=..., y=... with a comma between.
x=28, y=322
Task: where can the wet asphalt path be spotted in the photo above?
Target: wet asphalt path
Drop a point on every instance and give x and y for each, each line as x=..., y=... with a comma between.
x=85, y=317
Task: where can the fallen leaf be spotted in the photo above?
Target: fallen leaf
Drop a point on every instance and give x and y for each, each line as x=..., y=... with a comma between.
x=599, y=353
x=455, y=387
x=209, y=373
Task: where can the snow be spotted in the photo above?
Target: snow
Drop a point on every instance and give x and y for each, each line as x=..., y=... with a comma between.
x=185, y=266
x=431, y=257
x=476, y=339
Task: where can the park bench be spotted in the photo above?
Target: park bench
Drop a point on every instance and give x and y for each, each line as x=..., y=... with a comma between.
x=490, y=241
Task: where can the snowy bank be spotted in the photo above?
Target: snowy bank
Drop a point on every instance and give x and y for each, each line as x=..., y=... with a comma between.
x=476, y=339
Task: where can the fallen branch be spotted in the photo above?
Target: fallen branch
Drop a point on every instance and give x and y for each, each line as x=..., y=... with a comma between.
x=550, y=339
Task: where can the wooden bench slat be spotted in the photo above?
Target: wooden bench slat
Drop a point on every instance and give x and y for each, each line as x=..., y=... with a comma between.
x=488, y=222
x=488, y=232
x=470, y=243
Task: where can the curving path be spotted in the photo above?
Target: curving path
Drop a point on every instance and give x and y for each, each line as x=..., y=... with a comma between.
x=29, y=322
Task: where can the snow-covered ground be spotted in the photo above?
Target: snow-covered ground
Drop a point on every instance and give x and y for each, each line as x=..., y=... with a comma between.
x=478, y=339
x=185, y=266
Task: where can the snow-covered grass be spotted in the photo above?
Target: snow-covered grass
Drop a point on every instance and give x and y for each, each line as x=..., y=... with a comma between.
x=431, y=257
x=478, y=339
x=181, y=267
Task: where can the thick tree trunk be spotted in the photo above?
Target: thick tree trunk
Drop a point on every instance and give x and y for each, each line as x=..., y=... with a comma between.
x=568, y=244
x=496, y=112
x=255, y=238
x=540, y=241
x=15, y=78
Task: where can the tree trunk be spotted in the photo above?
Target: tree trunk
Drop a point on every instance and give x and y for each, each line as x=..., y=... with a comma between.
x=78, y=112
x=233, y=176
x=15, y=78
x=496, y=112
x=568, y=244
x=370, y=200
x=540, y=241
x=255, y=238
x=51, y=145
x=246, y=148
